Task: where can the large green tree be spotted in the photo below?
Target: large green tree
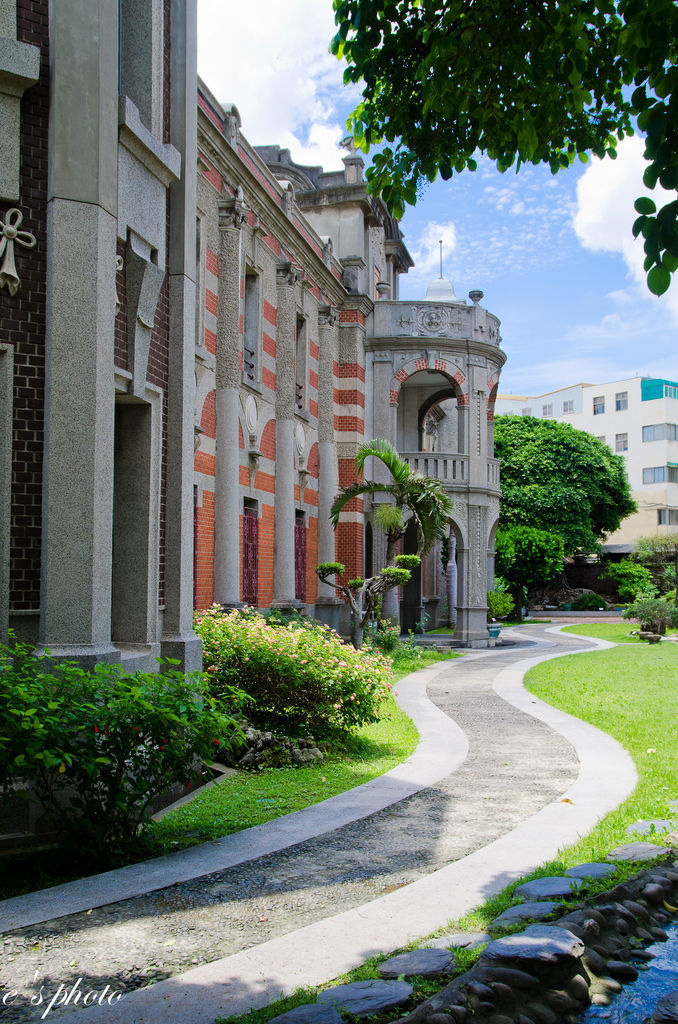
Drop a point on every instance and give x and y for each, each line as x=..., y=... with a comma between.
x=532, y=81
x=559, y=479
x=409, y=495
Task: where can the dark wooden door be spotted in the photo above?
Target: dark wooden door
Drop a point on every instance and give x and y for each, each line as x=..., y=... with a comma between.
x=250, y=550
x=300, y=557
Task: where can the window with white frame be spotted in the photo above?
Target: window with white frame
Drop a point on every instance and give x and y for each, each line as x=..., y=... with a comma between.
x=568, y=406
x=667, y=517
x=601, y=438
x=547, y=410
x=526, y=412
x=621, y=401
x=654, y=474
x=598, y=405
x=621, y=442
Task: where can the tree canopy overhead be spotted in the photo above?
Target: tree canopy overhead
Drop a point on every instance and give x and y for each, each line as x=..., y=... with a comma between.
x=534, y=81
x=559, y=479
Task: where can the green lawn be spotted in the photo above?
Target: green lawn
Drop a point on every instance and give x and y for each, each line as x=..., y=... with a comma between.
x=615, y=632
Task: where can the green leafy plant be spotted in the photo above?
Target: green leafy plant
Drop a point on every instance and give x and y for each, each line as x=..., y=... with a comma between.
x=653, y=614
x=633, y=580
x=499, y=605
x=660, y=552
x=299, y=678
x=97, y=747
x=589, y=603
x=527, y=557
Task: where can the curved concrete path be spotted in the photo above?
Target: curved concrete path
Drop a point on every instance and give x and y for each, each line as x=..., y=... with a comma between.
x=481, y=688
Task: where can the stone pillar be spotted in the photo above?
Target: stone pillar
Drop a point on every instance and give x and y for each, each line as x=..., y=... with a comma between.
x=451, y=570
x=178, y=639
x=283, y=539
x=79, y=412
x=232, y=215
x=328, y=319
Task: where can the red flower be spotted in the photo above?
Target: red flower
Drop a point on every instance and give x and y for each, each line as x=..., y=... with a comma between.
x=95, y=729
x=217, y=743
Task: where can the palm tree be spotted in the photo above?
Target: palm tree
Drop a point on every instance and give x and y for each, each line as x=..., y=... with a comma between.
x=428, y=503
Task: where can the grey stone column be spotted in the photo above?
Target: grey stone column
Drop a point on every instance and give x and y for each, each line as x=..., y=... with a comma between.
x=452, y=581
x=79, y=414
x=178, y=639
x=232, y=215
x=328, y=319
x=283, y=538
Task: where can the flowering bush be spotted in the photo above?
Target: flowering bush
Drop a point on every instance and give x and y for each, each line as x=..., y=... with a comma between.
x=299, y=677
x=97, y=747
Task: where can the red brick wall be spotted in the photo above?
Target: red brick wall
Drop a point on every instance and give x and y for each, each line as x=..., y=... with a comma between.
x=22, y=322
x=204, y=552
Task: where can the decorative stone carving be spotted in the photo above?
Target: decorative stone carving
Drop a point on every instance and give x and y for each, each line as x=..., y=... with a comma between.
x=233, y=212
x=327, y=316
x=286, y=273
x=251, y=415
x=118, y=268
x=287, y=200
x=232, y=123
x=433, y=321
x=327, y=252
x=300, y=440
x=11, y=235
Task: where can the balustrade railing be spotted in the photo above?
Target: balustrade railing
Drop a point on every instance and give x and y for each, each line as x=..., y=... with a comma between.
x=450, y=467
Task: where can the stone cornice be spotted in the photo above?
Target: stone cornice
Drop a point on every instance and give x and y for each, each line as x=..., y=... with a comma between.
x=258, y=198
x=362, y=303
x=452, y=346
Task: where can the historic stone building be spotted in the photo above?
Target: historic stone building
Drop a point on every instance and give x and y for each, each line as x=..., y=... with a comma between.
x=157, y=452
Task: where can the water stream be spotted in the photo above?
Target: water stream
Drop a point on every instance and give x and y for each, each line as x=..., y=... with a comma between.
x=636, y=1002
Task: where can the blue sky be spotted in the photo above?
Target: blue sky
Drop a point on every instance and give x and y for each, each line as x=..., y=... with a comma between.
x=554, y=255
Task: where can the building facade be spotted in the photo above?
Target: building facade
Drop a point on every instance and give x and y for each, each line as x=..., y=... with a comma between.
x=638, y=418
x=195, y=338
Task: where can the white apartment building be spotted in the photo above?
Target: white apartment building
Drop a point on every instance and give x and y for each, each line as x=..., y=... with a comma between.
x=638, y=419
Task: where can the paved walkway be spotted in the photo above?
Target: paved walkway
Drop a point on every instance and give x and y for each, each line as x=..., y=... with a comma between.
x=232, y=924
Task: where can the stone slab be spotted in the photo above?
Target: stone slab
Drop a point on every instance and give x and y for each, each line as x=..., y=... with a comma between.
x=638, y=851
x=547, y=888
x=524, y=912
x=649, y=827
x=592, y=870
x=545, y=951
x=666, y=1010
x=364, y=998
x=425, y=963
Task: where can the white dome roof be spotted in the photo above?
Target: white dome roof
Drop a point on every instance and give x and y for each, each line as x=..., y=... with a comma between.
x=441, y=290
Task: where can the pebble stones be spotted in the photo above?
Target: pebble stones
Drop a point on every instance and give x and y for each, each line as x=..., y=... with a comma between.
x=365, y=998
x=523, y=912
x=546, y=951
x=425, y=963
x=591, y=871
x=666, y=1010
x=548, y=888
x=638, y=851
x=311, y=1013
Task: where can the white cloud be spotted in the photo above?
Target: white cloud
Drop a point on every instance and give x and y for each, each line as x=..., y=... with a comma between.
x=426, y=248
x=278, y=72
x=604, y=218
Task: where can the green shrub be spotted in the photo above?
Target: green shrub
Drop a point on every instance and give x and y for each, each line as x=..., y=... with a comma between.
x=654, y=614
x=633, y=580
x=97, y=747
x=387, y=636
x=589, y=603
x=499, y=605
x=300, y=678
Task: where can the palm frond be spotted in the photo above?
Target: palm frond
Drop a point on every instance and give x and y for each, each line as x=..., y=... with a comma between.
x=386, y=453
x=354, y=491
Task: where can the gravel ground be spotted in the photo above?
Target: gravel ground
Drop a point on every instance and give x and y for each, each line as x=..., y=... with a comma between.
x=515, y=766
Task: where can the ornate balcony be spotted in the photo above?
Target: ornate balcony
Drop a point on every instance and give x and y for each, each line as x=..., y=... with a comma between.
x=450, y=467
